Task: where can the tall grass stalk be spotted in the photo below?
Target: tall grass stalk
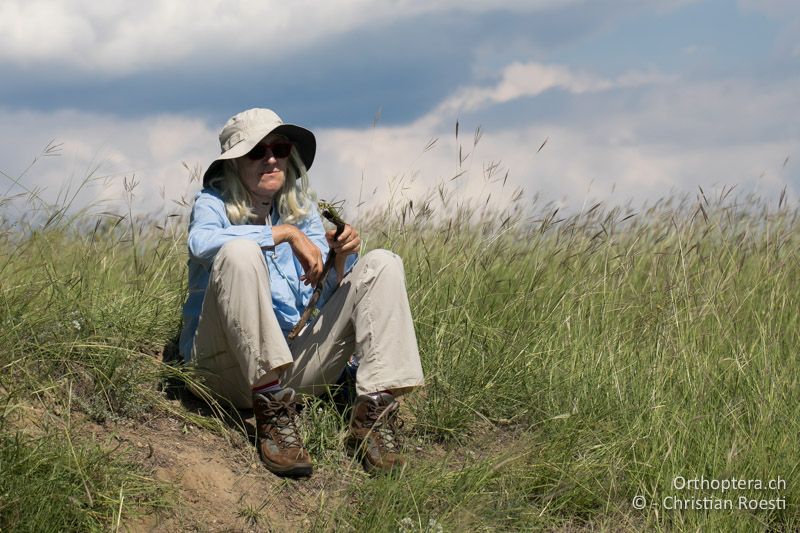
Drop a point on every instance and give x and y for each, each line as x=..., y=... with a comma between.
x=573, y=361
x=86, y=306
x=597, y=356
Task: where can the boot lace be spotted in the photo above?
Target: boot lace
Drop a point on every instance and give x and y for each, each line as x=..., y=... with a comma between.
x=282, y=416
x=384, y=423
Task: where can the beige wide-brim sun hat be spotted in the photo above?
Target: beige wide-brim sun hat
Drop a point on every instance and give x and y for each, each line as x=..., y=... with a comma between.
x=244, y=130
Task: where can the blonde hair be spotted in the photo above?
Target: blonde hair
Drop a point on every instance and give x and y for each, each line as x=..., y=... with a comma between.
x=294, y=201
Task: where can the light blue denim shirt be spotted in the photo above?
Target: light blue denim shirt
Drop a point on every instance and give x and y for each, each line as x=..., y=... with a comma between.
x=209, y=229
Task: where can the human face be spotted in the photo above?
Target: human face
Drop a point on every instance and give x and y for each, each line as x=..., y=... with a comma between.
x=263, y=177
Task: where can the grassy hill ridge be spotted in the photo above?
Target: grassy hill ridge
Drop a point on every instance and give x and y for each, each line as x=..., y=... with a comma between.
x=573, y=363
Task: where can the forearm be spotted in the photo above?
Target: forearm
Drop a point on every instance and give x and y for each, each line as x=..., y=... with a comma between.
x=283, y=233
x=205, y=242
x=209, y=230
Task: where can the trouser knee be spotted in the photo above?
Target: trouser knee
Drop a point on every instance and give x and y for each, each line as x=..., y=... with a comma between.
x=238, y=254
x=383, y=260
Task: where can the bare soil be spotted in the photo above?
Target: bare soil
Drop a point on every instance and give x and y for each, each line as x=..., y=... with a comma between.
x=221, y=483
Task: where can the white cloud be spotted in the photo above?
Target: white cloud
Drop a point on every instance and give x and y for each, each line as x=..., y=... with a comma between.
x=519, y=80
x=673, y=137
x=574, y=165
x=118, y=36
x=151, y=150
x=678, y=136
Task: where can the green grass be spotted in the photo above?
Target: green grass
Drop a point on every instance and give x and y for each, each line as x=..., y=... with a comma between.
x=622, y=353
x=81, y=321
x=572, y=364
x=51, y=483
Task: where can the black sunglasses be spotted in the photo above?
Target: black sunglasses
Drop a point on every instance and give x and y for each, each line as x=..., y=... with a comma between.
x=280, y=149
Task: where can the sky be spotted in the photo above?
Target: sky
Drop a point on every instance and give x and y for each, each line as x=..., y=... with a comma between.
x=568, y=100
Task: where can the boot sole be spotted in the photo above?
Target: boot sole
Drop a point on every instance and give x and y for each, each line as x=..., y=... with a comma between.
x=298, y=470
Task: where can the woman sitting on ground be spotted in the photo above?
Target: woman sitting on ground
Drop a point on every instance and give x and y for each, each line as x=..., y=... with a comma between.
x=257, y=248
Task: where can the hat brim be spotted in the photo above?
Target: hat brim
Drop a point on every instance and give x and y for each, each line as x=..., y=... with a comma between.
x=303, y=140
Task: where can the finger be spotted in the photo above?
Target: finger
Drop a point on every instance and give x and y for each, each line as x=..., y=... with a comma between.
x=315, y=278
x=312, y=273
x=350, y=238
x=308, y=269
x=349, y=246
x=352, y=243
x=315, y=270
x=333, y=240
x=346, y=233
x=352, y=233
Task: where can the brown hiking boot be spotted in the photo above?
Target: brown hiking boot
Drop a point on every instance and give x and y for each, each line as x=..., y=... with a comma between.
x=279, y=442
x=373, y=432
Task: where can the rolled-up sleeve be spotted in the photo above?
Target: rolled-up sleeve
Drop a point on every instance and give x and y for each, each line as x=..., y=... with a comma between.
x=210, y=229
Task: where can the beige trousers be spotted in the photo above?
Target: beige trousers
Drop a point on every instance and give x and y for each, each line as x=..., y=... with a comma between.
x=238, y=339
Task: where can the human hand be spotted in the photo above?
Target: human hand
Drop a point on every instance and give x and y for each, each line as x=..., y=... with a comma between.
x=348, y=242
x=303, y=249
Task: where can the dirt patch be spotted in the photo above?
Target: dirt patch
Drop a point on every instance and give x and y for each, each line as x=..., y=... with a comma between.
x=221, y=483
